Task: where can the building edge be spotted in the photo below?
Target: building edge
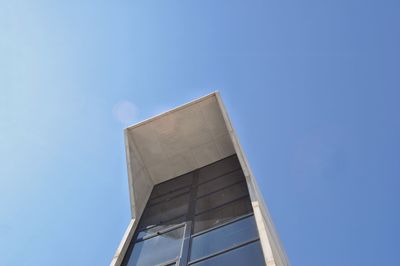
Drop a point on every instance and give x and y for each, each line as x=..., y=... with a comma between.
x=271, y=244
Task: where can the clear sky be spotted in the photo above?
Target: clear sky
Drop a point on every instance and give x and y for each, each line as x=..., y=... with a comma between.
x=312, y=87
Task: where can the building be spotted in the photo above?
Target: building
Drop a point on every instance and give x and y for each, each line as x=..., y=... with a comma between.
x=194, y=199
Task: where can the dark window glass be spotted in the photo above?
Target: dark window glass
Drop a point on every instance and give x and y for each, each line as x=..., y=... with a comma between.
x=196, y=216
x=165, y=211
x=219, y=168
x=169, y=196
x=220, y=182
x=223, y=237
x=221, y=197
x=151, y=230
x=158, y=249
x=172, y=185
x=222, y=214
x=250, y=254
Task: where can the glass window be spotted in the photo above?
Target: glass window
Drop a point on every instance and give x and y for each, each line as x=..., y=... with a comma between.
x=250, y=254
x=151, y=230
x=222, y=214
x=219, y=168
x=169, y=196
x=158, y=249
x=172, y=185
x=223, y=237
x=221, y=197
x=165, y=211
x=220, y=182
x=195, y=217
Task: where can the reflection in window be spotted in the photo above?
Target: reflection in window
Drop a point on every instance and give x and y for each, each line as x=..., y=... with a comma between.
x=211, y=206
x=220, y=182
x=223, y=237
x=151, y=230
x=158, y=249
x=169, y=196
x=219, y=168
x=166, y=211
x=172, y=185
x=221, y=197
x=249, y=254
x=222, y=214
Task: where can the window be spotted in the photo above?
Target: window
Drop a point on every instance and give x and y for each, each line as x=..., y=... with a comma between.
x=172, y=185
x=220, y=182
x=154, y=229
x=165, y=211
x=203, y=218
x=249, y=254
x=223, y=237
x=169, y=196
x=167, y=246
x=220, y=197
x=219, y=168
x=222, y=214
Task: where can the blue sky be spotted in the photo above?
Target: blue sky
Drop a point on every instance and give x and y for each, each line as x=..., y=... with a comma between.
x=312, y=87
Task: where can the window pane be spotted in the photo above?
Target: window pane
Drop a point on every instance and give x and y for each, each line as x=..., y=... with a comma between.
x=223, y=237
x=223, y=214
x=157, y=250
x=220, y=195
x=154, y=229
x=169, y=195
x=251, y=254
x=165, y=211
x=219, y=168
x=220, y=182
x=172, y=185
x=223, y=196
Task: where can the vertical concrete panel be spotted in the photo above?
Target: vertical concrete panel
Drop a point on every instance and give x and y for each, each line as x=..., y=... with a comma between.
x=182, y=140
x=272, y=247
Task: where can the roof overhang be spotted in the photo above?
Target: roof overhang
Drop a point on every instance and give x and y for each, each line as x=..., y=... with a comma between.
x=174, y=143
x=182, y=140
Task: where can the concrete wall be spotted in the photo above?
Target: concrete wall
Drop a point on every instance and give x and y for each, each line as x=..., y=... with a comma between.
x=182, y=140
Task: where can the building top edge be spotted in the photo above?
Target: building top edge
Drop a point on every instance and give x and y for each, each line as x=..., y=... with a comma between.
x=170, y=111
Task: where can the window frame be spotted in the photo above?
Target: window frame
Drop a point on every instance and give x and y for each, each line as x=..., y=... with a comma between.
x=189, y=218
x=159, y=234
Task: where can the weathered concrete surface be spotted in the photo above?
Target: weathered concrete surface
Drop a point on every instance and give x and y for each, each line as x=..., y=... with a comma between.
x=182, y=140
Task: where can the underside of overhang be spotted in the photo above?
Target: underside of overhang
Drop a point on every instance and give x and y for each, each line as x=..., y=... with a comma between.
x=182, y=140
x=174, y=143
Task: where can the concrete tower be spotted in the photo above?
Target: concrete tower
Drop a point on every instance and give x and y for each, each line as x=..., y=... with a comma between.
x=194, y=199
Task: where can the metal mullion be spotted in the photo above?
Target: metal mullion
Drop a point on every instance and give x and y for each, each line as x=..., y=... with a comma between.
x=138, y=230
x=222, y=205
x=224, y=250
x=229, y=172
x=218, y=190
x=132, y=243
x=160, y=232
x=175, y=260
x=161, y=223
x=169, y=199
x=219, y=176
x=223, y=224
x=217, y=161
x=184, y=257
x=199, y=184
x=189, y=221
x=171, y=191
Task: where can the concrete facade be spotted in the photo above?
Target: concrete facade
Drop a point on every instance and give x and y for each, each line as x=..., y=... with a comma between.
x=182, y=140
